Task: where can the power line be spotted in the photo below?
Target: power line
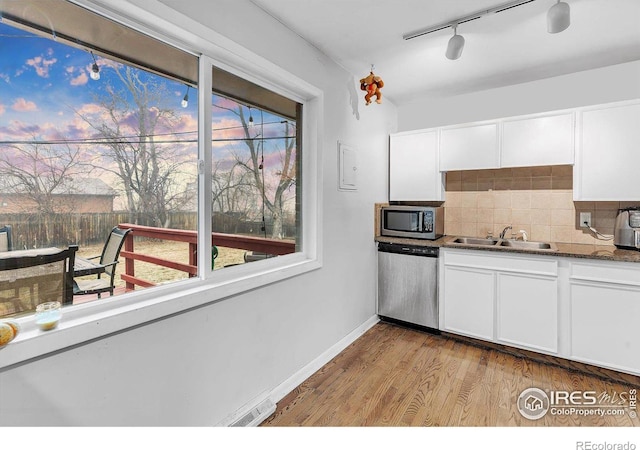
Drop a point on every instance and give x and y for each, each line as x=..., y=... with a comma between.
x=113, y=141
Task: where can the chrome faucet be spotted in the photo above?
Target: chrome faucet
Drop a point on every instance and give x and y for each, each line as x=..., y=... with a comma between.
x=505, y=231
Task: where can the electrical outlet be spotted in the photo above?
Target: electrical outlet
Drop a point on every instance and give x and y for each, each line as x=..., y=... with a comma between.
x=585, y=219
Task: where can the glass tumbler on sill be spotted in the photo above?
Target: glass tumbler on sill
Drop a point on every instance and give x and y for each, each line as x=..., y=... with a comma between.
x=48, y=315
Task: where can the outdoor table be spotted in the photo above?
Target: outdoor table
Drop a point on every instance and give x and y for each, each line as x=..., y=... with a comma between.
x=40, y=276
x=81, y=266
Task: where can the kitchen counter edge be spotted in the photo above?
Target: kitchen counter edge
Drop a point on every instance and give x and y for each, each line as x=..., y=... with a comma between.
x=585, y=251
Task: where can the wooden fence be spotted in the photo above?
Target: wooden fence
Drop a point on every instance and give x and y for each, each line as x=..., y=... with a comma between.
x=33, y=231
x=60, y=230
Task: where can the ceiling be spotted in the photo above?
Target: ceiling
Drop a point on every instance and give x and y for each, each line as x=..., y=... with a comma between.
x=501, y=49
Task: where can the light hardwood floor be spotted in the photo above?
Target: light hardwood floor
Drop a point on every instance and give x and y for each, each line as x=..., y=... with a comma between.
x=394, y=376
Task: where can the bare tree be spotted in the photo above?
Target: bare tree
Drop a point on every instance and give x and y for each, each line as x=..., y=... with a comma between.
x=232, y=191
x=43, y=176
x=273, y=197
x=148, y=170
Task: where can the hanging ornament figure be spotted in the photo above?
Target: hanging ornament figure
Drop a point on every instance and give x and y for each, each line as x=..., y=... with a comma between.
x=372, y=85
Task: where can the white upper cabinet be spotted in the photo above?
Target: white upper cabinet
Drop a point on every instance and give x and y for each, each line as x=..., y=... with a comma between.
x=413, y=167
x=469, y=147
x=538, y=141
x=608, y=153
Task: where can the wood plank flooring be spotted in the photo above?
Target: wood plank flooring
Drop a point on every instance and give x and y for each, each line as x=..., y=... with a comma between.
x=395, y=376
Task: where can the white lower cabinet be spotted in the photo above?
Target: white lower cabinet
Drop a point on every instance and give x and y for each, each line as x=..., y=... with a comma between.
x=527, y=311
x=605, y=315
x=468, y=306
x=508, y=299
x=585, y=310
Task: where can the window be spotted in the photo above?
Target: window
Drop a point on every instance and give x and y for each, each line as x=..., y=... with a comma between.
x=99, y=128
x=80, y=35
x=255, y=169
x=95, y=134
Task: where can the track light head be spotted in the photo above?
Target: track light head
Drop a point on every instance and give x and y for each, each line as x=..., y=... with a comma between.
x=455, y=45
x=558, y=17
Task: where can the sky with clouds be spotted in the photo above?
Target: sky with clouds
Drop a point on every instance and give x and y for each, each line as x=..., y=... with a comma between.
x=44, y=84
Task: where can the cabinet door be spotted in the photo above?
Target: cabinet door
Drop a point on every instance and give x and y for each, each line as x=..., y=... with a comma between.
x=527, y=311
x=413, y=168
x=604, y=326
x=469, y=147
x=608, y=158
x=468, y=302
x=538, y=141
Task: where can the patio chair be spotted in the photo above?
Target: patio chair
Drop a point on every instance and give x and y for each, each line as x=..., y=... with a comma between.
x=36, y=276
x=5, y=239
x=105, y=266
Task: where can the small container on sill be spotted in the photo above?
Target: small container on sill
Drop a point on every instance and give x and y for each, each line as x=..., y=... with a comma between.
x=48, y=315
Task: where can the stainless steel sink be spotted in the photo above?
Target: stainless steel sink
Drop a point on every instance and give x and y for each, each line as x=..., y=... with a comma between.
x=475, y=241
x=505, y=243
x=533, y=245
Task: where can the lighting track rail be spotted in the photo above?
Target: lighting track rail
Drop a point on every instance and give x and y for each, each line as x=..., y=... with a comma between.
x=468, y=18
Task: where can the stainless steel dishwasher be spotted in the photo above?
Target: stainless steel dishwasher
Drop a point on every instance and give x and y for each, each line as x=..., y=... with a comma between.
x=408, y=284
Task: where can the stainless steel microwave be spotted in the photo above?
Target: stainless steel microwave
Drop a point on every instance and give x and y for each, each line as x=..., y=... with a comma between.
x=416, y=222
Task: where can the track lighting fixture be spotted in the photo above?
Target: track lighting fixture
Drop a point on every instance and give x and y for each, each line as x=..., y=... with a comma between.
x=185, y=99
x=455, y=45
x=95, y=69
x=558, y=17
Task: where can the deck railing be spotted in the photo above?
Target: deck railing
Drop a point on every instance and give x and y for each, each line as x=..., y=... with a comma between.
x=250, y=243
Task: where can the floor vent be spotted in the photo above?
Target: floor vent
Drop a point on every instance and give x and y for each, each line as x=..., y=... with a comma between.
x=257, y=415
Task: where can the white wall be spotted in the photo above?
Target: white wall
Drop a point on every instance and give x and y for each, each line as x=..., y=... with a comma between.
x=198, y=367
x=590, y=87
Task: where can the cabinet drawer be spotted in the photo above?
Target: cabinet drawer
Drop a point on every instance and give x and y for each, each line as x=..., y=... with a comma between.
x=501, y=261
x=617, y=273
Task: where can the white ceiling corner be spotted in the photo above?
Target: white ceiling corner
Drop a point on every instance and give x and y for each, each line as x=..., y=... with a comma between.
x=501, y=49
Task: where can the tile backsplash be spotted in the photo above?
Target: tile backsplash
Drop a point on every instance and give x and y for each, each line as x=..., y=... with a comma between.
x=538, y=200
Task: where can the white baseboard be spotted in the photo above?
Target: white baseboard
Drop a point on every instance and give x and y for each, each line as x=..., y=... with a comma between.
x=297, y=378
x=260, y=408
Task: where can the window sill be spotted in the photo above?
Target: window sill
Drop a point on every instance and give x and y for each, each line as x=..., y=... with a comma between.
x=87, y=322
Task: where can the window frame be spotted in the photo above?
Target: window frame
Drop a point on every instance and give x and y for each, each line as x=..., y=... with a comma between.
x=90, y=321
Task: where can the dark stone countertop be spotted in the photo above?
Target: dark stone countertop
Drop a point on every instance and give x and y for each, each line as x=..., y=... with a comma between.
x=585, y=251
